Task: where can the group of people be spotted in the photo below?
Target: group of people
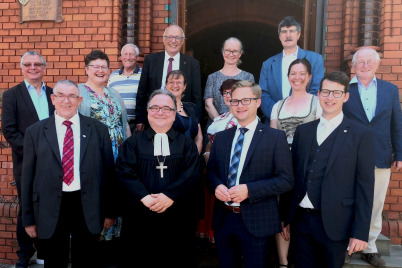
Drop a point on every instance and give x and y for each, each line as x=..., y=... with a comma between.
x=124, y=161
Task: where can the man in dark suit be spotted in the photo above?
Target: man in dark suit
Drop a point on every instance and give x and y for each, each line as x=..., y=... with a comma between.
x=24, y=105
x=67, y=182
x=274, y=72
x=249, y=166
x=158, y=65
x=330, y=206
x=375, y=103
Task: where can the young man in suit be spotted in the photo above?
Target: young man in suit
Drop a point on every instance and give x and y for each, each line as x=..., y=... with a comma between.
x=249, y=166
x=67, y=181
x=375, y=103
x=24, y=105
x=274, y=72
x=329, y=209
x=158, y=65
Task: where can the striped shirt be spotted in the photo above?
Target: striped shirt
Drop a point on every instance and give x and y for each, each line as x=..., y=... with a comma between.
x=127, y=86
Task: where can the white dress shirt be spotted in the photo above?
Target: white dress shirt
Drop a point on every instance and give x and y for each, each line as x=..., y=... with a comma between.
x=324, y=129
x=175, y=66
x=248, y=136
x=287, y=59
x=61, y=132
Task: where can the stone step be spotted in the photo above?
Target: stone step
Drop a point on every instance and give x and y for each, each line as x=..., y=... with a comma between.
x=383, y=245
x=393, y=261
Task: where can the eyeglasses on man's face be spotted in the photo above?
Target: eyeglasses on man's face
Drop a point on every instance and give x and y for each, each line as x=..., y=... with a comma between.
x=164, y=109
x=36, y=64
x=176, y=38
x=64, y=97
x=335, y=93
x=244, y=101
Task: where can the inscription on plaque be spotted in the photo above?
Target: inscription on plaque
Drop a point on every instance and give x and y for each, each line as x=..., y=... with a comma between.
x=33, y=10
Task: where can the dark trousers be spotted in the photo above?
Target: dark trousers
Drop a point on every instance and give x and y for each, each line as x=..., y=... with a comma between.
x=157, y=240
x=312, y=247
x=233, y=241
x=25, y=242
x=83, y=243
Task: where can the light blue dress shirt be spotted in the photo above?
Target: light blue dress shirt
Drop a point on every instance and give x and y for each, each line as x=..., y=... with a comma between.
x=39, y=101
x=368, y=96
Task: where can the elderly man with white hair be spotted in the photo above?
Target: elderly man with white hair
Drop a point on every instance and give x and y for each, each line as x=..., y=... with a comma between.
x=375, y=103
x=126, y=80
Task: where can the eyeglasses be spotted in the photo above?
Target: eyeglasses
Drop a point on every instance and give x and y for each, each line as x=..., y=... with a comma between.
x=335, y=93
x=171, y=83
x=224, y=93
x=165, y=109
x=244, y=101
x=176, y=38
x=63, y=97
x=234, y=52
x=369, y=63
x=97, y=67
x=291, y=31
x=36, y=64
x=129, y=54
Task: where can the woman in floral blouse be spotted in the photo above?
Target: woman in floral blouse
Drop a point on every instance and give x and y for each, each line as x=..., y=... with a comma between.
x=106, y=105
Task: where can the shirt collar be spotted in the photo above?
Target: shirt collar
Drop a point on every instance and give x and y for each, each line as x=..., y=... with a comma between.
x=355, y=80
x=59, y=120
x=336, y=121
x=251, y=127
x=28, y=85
x=284, y=55
x=136, y=70
x=176, y=57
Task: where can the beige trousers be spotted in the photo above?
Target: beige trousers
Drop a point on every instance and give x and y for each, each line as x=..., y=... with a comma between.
x=382, y=177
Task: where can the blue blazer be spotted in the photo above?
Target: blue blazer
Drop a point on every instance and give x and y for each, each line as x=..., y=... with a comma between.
x=267, y=171
x=386, y=123
x=271, y=78
x=348, y=184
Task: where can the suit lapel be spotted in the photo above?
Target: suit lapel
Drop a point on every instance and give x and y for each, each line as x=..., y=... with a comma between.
x=85, y=135
x=356, y=100
x=183, y=63
x=28, y=101
x=51, y=137
x=380, y=98
x=160, y=62
x=309, y=142
x=49, y=92
x=277, y=70
x=259, y=131
x=227, y=150
x=340, y=139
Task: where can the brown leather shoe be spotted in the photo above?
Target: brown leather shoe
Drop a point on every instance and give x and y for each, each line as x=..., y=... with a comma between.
x=373, y=258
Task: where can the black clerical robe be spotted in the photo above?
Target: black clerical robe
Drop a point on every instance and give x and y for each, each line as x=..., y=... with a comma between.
x=162, y=237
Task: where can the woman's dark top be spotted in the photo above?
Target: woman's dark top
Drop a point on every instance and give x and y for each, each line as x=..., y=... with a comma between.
x=188, y=125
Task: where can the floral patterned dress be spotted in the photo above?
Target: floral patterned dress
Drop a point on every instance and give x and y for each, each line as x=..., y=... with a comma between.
x=105, y=110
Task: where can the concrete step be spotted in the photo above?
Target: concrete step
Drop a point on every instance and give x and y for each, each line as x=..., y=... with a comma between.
x=383, y=245
x=393, y=261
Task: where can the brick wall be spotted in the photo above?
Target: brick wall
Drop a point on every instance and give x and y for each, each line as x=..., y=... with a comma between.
x=341, y=42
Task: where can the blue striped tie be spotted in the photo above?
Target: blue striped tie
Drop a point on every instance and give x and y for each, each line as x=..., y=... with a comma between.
x=234, y=163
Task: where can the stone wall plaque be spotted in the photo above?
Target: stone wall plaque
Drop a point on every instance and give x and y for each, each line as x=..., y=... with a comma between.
x=45, y=10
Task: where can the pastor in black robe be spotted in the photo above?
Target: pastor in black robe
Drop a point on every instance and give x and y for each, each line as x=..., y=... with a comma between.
x=158, y=239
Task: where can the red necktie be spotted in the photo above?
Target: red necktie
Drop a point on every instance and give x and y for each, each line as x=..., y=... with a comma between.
x=68, y=154
x=169, y=66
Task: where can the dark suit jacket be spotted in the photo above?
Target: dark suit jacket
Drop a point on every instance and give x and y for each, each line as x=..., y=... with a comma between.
x=348, y=184
x=271, y=78
x=42, y=176
x=267, y=172
x=18, y=113
x=151, y=79
x=386, y=123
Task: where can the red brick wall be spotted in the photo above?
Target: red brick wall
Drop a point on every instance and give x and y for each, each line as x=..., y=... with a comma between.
x=341, y=38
